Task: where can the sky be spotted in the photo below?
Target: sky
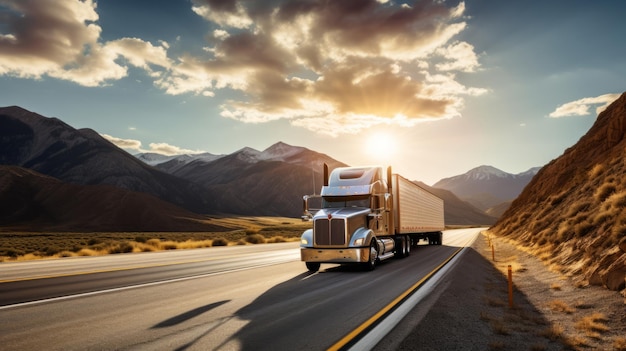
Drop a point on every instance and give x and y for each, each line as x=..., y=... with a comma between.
x=431, y=88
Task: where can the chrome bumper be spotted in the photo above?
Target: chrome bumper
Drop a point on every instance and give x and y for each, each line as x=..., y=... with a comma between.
x=347, y=255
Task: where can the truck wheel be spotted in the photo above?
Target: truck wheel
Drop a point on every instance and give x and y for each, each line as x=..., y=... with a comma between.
x=371, y=263
x=439, y=238
x=400, y=244
x=407, y=252
x=313, y=266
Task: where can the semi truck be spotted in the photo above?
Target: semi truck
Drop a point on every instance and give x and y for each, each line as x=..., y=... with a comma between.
x=365, y=218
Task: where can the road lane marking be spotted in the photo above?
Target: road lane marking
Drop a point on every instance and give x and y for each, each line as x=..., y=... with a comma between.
x=128, y=287
x=119, y=269
x=354, y=336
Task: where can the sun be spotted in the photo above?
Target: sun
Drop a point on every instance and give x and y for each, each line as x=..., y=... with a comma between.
x=381, y=146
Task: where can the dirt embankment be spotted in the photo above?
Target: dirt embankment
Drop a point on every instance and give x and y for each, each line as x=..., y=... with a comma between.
x=470, y=310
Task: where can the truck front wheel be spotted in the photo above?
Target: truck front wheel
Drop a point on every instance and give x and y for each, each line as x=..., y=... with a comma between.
x=371, y=263
x=313, y=266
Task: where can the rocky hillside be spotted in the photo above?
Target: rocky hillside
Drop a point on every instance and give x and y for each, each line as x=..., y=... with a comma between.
x=573, y=212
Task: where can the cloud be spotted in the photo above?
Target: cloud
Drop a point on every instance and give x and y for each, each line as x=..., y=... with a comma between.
x=581, y=107
x=330, y=66
x=129, y=144
x=159, y=148
x=170, y=150
x=61, y=39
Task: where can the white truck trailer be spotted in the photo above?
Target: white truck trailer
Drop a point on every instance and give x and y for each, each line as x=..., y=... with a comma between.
x=365, y=218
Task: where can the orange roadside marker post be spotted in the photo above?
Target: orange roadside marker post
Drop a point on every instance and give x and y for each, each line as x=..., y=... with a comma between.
x=510, y=287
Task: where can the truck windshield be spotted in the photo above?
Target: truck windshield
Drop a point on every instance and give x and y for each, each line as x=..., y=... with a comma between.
x=346, y=201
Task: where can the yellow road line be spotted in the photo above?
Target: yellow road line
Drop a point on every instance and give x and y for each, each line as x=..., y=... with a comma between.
x=356, y=332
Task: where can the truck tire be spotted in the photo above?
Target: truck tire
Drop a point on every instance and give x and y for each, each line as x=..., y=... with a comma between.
x=407, y=242
x=400, y=243
x=313, y=266
x=371, y=263
x=439, y=238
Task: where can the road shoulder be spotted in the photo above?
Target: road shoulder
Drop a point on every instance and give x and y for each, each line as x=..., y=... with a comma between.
x=469, y=309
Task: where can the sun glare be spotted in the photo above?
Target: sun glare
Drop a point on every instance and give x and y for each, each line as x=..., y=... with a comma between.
x=381, y=146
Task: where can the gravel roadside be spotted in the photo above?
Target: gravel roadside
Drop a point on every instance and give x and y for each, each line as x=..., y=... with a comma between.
x=469, y=309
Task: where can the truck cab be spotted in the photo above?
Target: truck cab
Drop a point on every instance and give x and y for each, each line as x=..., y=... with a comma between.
x=355, y=212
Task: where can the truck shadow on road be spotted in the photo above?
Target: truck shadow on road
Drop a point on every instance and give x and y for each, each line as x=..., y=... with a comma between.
x=183, y=317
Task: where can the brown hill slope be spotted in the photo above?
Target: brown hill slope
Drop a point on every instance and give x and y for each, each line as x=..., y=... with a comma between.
x=573, y=212
x=30, y=201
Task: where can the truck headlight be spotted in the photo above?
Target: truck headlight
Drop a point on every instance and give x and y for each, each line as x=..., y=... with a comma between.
x=359, y=242
x=303, y=241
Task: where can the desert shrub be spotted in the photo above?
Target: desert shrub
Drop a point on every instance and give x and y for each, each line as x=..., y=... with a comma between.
x=601, y=217
x=604, y=191
x=141, y=239
x=66, y=254
x=87, y=252
x=578, y=218
x=542, y=241
x=251, y=231
x=557, y=199
x=594, y=322
x=242, y=242
x=169, y=245
x=619, y=344
x=561, y=306
x=154, y=242
x=93, y=241
x=10, y=252
x=276, y=239
x=619, y=228
x=255, y=239
x=564, y=234
x=578, y=207
x=220, y=242
x=618, y=200
x=52, y=250
x=122, y=247
x=597, y=170
x=583, y=228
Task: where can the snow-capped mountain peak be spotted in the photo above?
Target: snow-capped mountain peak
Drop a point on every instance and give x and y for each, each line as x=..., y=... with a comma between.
x=154, y=159
x=486, y=173
x=280, y=151
x=248, y=154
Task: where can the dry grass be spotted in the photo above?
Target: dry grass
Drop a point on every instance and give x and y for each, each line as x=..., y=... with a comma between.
x=246, y=230
x=553, y=332
x=619, y=344
x=593, y=323
x=561, y=306
x=555, y=286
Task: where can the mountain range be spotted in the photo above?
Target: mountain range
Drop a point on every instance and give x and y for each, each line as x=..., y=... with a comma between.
x=43, y=156
x=486, y=187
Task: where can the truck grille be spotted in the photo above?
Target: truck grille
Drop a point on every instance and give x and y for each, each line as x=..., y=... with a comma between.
x=330, y=234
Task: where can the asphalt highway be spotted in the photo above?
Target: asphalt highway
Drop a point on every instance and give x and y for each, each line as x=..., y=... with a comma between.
x=257, y=297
